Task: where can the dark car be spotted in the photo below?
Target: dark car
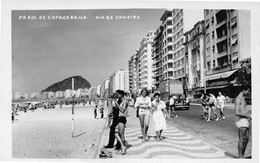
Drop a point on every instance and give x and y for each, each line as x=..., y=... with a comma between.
x=181, y=103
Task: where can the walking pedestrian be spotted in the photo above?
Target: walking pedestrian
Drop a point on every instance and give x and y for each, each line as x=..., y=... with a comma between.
x=102, y=109
x=143, y=104
x=243, y=114
x=171, y=107
x=95, y=111
x=122, y=106
x=221, y=105
x=114, y=116
x=212, y=107
x=204, y=102
x=159, y=114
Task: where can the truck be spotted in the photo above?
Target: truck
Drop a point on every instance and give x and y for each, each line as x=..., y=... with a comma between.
x=174, y=88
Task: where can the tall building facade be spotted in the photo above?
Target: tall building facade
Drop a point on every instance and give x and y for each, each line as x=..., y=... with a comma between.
x=133, y=67
x=119, y=80
x=104, y=87
x=195, y=56
x=93, y=92
x=157, y=56
x=98, y=90
x=227, y=35
x=168, y=51
x=145, y=62
x=126, y=80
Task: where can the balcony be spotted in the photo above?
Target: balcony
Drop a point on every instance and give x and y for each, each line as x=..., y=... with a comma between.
x=169, y=18
x=234, y=49
x=222, y=68
x=222, y=54
x=169, y=27
x=169, y=52
x=169, y=35
x=221, y=23
x=169, y=44
x=221, y=38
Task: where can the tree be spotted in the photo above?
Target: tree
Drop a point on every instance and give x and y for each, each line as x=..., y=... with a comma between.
x=244, y=73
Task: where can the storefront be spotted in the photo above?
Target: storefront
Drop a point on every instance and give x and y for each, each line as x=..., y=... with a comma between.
x=225, y=83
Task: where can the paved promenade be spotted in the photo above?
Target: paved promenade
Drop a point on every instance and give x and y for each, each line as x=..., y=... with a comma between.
x=176, y=144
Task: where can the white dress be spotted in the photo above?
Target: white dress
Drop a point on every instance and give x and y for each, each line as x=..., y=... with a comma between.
x=159, y=120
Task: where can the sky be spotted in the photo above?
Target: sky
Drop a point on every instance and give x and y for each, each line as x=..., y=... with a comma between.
x=46, y=51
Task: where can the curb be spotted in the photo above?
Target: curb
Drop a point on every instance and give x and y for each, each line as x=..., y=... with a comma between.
x=99, y=141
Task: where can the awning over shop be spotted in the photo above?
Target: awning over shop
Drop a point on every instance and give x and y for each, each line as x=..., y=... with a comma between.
x=214, y=87
x=220, y=75
x=228, y=73
x=214, y=76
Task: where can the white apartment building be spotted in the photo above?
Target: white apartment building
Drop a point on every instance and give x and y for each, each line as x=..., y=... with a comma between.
x=195, y=56
x=119, y=80
x=104, y=87
x=17, y=95
x=228, y=42
x=86, y=92
x=145, y=62
x=126, y=80
x=98, y=90
x=133, y=67
x=79, y=92
x=68, y=93
x=50, y=94
x=93, y=92
x=59, y=94
x=170, y=56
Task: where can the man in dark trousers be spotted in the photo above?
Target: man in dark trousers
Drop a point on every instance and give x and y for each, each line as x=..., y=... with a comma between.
x=114, y=115
x=95, y=111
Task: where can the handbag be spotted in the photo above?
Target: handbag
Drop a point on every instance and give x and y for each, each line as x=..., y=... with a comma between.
x=137, y=112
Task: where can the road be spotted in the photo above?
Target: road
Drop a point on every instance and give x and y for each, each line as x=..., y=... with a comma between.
x=222, y=133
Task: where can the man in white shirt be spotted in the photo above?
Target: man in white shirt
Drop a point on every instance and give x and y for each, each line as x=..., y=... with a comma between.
x=221, y=105
x=171, y=107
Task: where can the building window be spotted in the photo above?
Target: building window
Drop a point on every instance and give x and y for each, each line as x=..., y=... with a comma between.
x=208, y=66
x=207, y=38
x=212, y=20
x=234, y=36
x=206, y=12
x=170, y=56
x=213, y=49
x=170, y=74
x=212, y=34
x=214, y=64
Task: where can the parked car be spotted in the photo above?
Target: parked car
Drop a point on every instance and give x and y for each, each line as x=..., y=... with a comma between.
x=181, y=103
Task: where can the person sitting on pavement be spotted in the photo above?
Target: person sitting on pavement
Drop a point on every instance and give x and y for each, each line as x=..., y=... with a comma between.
x=244, y=117
x=159, y=114
x=143, y=104
x=122, y=105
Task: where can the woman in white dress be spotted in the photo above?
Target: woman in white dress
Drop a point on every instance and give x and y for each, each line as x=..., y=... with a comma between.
x=143, y=104
x=159, y=114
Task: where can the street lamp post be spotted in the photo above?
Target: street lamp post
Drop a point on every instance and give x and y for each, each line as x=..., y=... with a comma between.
x=73, y=108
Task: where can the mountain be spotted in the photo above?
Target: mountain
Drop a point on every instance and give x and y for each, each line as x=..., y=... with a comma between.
x=79, y=82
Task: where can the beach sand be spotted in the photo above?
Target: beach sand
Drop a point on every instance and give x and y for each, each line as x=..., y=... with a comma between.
x=48, y=133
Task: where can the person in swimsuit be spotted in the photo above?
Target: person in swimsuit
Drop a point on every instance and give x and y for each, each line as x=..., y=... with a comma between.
x=221, y=105
x=122, y=106
x=243, y=120
x=143, y=104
